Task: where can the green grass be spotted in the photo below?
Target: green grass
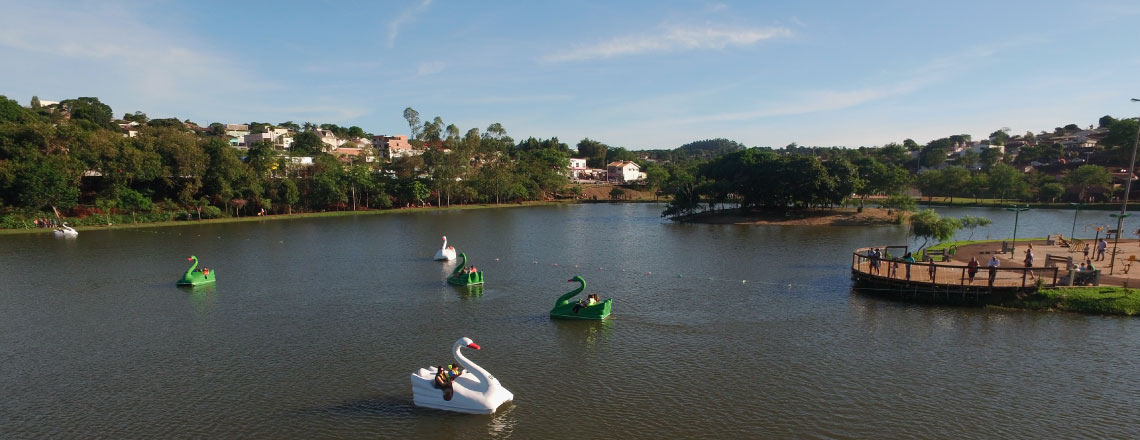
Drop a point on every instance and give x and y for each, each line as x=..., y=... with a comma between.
x=281, y=217
x=948, y=244
x=1104, y=300
x=997, y=203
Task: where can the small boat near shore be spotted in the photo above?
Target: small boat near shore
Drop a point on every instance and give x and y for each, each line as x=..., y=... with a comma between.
x=65, y=231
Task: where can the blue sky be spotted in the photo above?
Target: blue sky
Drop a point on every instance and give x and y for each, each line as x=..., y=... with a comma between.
x=637, y=74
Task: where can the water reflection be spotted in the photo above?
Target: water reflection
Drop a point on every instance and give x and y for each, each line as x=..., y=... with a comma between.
x=589, y=334
x=502, y=425
x=467, y=292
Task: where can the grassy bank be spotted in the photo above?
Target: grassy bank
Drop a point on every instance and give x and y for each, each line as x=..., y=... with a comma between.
x=282, y=217
x=995, y=203
x=1092, y=300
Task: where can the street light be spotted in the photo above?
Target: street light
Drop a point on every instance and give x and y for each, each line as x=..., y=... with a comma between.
x=1127, y=192
x=1078, y=207
x=1119, y=223
x=1016, y=212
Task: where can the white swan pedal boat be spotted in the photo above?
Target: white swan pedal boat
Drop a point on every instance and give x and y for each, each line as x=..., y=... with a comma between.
x=65, y=231
x=445, y=252
x=475, y=391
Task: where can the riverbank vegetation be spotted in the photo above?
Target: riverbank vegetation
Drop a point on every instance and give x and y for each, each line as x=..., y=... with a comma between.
x=70, y=160
x=74, y=159
x=1103, y=300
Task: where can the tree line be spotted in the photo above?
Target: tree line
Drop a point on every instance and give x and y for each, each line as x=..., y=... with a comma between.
x=71, y=158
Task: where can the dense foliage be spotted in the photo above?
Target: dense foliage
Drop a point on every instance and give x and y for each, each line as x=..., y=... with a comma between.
x=71, y=158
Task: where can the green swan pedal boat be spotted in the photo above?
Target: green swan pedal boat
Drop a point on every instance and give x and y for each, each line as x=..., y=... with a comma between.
x=195, y=277
x=463, y=276
x=566, y=309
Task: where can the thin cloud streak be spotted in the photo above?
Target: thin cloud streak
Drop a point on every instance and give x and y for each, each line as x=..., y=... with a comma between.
x=404, y=18
x=515, y=99
x=431, y=67
x=671, y=39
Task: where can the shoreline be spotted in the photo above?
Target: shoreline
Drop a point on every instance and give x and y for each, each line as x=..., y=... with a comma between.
x=810, y=217
x=276, y=217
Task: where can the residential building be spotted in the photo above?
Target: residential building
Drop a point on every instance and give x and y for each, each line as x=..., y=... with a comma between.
x=391, y=147
x=279, y=137
x=237, y=130
x=623, y=172
x=577, y=167
x=329, y=139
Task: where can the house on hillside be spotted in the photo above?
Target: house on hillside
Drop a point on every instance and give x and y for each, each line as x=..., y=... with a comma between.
x=279, y=137
x=576, y=168
x=392, y=147
x=623, y=172
x=329, y=138
x=237, y=130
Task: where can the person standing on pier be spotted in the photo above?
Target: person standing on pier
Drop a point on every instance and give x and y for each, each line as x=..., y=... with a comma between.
x=972, y=268
x=909, y=260
x=994, y=263
x=1029, y=261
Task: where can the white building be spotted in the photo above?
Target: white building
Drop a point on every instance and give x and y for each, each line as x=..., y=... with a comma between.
x=623, y=172
x=329, y=139
x=577, y=166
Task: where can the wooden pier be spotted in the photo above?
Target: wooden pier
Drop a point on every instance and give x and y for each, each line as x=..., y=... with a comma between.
x=939, y=281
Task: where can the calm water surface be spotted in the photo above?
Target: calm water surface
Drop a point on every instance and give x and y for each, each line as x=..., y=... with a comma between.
x=718, y=331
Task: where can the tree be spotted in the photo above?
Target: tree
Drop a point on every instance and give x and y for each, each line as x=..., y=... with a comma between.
x=900, y=202
x=934, y=153
x=893, y=154
x=1005, y=180
x=307, y=143
x=289, y=193
x=972, y=223
x=952, y=180
x=990, y=157
x=52, y=181
x=89, y=109
x=1106, y=121
x=999, y=137
x=617, y=193
x=593, y=151
x=138, y=116
x=1087, y=177
x=413, y=118
x=1051, y=192
x=10, y=110
x=927, y=224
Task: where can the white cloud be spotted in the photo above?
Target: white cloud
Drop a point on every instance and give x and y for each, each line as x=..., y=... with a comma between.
x=106, y=47
x=523, y=98
x=672, y=38
x=404, y=18
x=431, y=67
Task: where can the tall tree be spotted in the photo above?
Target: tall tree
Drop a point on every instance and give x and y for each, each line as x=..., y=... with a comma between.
x=413, y=118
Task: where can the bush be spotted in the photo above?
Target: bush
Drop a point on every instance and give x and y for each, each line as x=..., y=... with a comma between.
x=15, y=221
x=211, y=211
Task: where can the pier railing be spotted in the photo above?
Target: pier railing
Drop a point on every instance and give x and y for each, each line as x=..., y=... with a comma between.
x=941, y=274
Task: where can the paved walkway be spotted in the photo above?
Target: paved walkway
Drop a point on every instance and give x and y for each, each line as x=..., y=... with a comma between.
x=1122, y=274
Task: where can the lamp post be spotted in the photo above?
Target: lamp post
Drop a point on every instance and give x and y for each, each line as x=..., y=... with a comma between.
x=1016, y=212
x=1127, y=192
x=1119, y=223
x=1078, y=207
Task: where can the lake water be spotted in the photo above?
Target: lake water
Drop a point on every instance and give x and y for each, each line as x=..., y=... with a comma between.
x=718, y=331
